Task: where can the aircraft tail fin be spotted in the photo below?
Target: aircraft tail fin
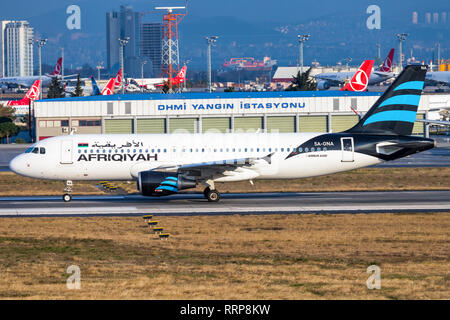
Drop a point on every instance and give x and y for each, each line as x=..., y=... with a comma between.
x=95, y=89
x=387, y=63
x=34, y=91
x=109, y=88
x=360, y=79
x=118, y=79
x=394, y=113
x=58, y=67
x=181, y=76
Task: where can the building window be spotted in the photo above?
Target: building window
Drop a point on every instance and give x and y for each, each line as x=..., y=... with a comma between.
x=64, y=123
x=110, y=108
x=354, y=103
x=127, y=107
x=335, y=104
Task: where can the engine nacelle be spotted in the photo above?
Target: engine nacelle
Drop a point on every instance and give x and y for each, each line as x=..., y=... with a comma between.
x=323, y=85
x=154, y=183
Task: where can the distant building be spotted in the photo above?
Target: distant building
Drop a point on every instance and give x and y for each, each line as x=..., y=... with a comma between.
x=427, y=18
x=415, y=17
x=112, y=36
x=17, y=53
x=144, y=42
x=3, y=48
x=444, y=17
x=151, y=45
x=435, y=18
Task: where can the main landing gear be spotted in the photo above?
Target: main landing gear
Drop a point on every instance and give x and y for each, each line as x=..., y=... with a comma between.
x=211, y=193
x=67, y=196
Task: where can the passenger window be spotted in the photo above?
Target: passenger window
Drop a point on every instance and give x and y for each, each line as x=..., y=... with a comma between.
x=306, y=149
x=42, y=150
x=282, y=149
x=300, y=150
x=165, y=150
x=312, y=150
x=324, y=148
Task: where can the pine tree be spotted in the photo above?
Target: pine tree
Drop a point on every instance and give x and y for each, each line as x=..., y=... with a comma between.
x=302, y=82
x=55, y=90
x=78, y=90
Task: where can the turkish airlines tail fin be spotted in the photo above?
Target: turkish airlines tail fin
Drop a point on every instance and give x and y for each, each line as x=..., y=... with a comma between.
x=109, y=89
x=360, y=79
x=118, y=79
x=387, y=63
x=58, y=66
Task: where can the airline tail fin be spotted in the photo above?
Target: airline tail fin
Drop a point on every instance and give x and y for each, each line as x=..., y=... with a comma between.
x=360, y=79
x=181, y=76
x=394, y=113
x=109, y=89
x=387, y=63
x=34, y=91
x=95, y=89
x=118, y=79
x=58, y=67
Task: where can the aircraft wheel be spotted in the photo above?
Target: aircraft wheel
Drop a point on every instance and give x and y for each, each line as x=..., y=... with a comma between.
x=213, y=196
x=67, y=197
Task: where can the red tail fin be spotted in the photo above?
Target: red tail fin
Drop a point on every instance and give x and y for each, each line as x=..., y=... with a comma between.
x=109, y=89
x=58, y=67
x=181, y=76
x=387, y=63
x=360, y=79
x=34, y=91
x=118, y=79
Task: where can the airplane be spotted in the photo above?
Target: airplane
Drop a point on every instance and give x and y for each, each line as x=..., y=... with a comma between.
x=438, y=77
x=112, y=84
x=360, y=79
x=21, y=106
x=179, y=79
x=28, y=81
x=326, y=80
x=164, y=164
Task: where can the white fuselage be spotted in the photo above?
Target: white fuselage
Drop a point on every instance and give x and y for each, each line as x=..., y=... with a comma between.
x=123, y=156
x=342, y=77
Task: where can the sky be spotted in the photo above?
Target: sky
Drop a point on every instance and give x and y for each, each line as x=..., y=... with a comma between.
x=49, y=17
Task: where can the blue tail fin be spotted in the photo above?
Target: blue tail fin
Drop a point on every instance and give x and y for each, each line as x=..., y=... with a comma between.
x=394, y=113
x=95, y=89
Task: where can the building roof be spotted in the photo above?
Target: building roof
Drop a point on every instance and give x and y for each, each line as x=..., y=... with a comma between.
x=215, y=95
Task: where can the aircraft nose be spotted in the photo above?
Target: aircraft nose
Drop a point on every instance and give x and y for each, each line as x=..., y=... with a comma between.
x=17, y=165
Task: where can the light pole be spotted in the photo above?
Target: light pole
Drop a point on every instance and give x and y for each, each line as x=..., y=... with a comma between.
x=62, y=63
x=99, y=67
x=438, y=45
x=379, y=51
x=210, y=41
x=142, y=74
x=40, y=43
x=401, y=37
x=123, y=42
x=301, y=39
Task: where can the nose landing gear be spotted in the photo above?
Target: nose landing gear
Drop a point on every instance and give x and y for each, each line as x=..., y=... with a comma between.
x=67, y=196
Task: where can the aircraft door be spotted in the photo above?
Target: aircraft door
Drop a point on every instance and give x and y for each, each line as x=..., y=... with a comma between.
x=347, y=147
x=66, y=152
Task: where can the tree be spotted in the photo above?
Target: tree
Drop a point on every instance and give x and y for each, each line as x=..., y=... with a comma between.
x=78, y=90
x=7, y=112
x=302, y=82
x=8, y=129
x=55, y=90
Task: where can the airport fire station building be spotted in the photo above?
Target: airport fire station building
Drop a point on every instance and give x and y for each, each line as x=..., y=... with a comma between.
x=317, y=111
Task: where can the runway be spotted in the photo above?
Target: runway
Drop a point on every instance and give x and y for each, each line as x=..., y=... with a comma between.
x=236, y=203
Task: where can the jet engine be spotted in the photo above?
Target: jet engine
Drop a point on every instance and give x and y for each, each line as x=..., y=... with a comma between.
x=154, y=183
x=323, y=85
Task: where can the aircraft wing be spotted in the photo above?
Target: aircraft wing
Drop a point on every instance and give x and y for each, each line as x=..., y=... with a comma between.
x=441, y=122
x=206, y=170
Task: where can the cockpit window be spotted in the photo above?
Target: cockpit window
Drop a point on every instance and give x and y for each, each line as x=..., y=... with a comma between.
x=29, y=150
x=42, y=150
x=35, y=150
